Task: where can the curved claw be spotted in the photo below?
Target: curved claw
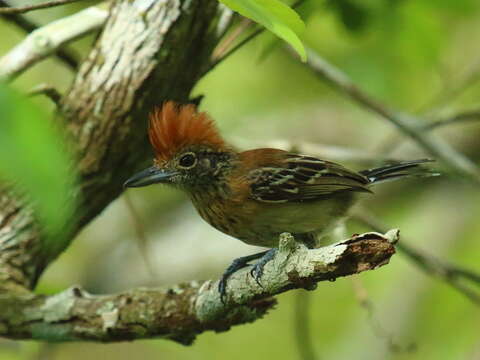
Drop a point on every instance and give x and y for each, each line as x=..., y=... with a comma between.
x=256, y=273
x=222, y=289
x=257, y=270
x=236, y=265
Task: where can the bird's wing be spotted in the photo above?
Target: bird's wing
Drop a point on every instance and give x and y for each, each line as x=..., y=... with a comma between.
x=299, y=178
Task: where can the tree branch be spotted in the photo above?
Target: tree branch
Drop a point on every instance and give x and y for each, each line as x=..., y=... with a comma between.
x=467, y=116
x=451, y=90
x=48, y=91
x=451, y=274
x=406, y=123
x=67, y=56
x=225, y=53
x=184, y=311
x=302, y=329
x=27, y=8
x=46, y=40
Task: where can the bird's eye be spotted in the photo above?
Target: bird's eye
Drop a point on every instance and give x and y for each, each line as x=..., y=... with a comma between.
x=187, y=160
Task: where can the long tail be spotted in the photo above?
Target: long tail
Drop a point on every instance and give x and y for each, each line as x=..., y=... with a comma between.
x=400, y=170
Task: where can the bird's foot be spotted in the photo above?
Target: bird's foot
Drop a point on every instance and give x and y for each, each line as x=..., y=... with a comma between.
x=236, y=265
x=257, y=270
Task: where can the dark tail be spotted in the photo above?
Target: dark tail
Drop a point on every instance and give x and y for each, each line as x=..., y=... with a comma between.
x=400, y=170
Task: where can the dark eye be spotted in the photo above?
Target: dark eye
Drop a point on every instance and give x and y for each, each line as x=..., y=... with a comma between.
x=187, y=160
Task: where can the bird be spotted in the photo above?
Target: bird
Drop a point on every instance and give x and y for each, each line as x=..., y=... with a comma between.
x=258, y=194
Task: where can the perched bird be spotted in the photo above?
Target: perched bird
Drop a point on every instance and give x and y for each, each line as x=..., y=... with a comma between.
x=253, y=195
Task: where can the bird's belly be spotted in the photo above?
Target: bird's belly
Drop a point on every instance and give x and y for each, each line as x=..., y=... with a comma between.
x=260, y=224
x=263, y=227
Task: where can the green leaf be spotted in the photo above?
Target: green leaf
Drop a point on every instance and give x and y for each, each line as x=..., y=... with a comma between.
x=33, y=158
x=276, y=16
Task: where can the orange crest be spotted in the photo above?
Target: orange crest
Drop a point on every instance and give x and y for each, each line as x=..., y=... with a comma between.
x=174, y=127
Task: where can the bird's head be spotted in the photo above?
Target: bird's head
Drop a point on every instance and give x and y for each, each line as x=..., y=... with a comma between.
x=189, y=151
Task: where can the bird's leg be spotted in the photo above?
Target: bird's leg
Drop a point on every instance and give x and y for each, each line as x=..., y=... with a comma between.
x=308, y=239
x=257, y=270
x=236, y=265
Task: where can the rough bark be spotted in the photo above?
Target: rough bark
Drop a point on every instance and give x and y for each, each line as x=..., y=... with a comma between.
x=184, y=311
x=149, y=51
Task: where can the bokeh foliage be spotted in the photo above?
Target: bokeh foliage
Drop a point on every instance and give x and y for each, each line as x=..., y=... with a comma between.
x=408, y=54
x=35, y=162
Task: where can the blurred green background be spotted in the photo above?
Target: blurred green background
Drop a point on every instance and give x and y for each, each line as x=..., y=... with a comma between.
x=419, y=56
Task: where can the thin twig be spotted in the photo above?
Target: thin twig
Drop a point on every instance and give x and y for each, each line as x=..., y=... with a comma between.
x=27, y=8
x=451, y=274
x=408, y=124
x=379, y=331
x=44, y=41
x=451, y=91
x=67, y=56
x=392, y=141
x=45, y=351
x=302, y=329
x=234, y=49
x=224, y=46
x=237, y=47
x=48, y=91
x=473, y=115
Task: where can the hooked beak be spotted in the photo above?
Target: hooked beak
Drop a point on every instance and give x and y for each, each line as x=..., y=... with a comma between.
x=149, y=176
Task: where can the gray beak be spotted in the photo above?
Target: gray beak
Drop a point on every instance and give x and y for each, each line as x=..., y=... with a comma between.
x=152, y=175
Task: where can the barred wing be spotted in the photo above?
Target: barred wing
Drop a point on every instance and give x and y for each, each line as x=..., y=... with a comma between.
x=303, y=178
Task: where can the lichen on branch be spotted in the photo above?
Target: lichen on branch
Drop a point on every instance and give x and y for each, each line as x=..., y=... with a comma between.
x=183, y=311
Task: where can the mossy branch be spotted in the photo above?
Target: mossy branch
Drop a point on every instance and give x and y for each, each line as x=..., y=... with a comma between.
x=182, y=312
